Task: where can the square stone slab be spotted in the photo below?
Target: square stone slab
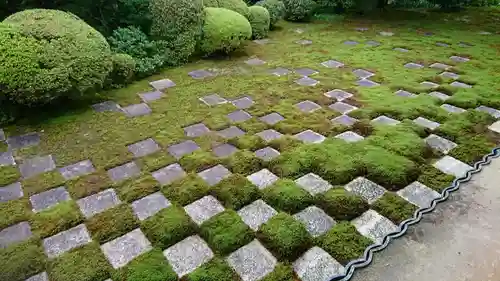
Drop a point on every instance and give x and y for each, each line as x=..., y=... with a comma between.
x=11, y=192
x=313, y=184
x=224, y=150
x=66, y=240
x=491, y=111
x=304, y=42
x=49, y=198
x=316, y=221
x=256, y=214
x=386, y=33
x=332, y=64
x=384, y=120
x=438, y=65
x=306, y=81
x=413, y=65
x=252, y=262
x=306, y=71
x=374, y=226
x=418, y=194
x=196, y=130
x=213, y=99
x=242, y=103
x=162, y=85
x=37, y=165
x=107, y=106
x=460, y=85
x=317, y=265
x=99, y=202
x=361, y=29
x=14, y=234
x=39, y=277
x=7, y=159
x=135, y=110
x=169, y=174
x=342, y=107
x=309, y=136
x=22, y=141
x=452, y=109
x=344, y=120
x=350, y=136
x=402, y=50
x=124, y=172
x=144, y=147
x=299, y=30
x=261, y=41
x=267, y=153
x=350, y=43
x=180, y=149
x=214, y=175
x=373, y=43
x=188, y=255
x=272, y=118
x=150, y=205
x=124, y=249
x=151, y=96
x=405, y=94
x=365, y=188
x=255, y=61
x=367, y=83
x=441, y=44
x=338, y=94
x=239, y=116
x=263, y=178
x=452, y=166
x=495, y=127
x=363, y=74
x=307, y=106
x=269, y=135
x=78, y=169
x=231, y=132
x=459, y=59
x=439, y=95
x=426, y=123
x=280, y=71
x=200, y=74
x=440, y=144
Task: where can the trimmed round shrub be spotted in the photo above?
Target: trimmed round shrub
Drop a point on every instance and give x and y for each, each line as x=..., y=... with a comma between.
x=238, y=6
x=259, y=20
x=49, y=54
x=276, y=10
x=299, y=10
x=224, y=30
x=123, y=70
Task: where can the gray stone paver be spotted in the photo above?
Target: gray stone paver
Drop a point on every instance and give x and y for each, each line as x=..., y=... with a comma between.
x=213, y=99
x=261, y=41
x=256, y=214
x=143, y=148
x=491, y=111
x=299, y=30
x=262, y=178
x=169, y=174
x=350, y=43
x=15, y=233
x=22, y=141
x=406, y=94
x=136, y=110
x=344, y=120
x=452, y=166
x=255, y=61
x=231, y=132
x=124, y=249
x=495, y=127
x=452, y=109
x=307, y=106
x=98, y=202
x=252, y=262
x=450, y=75
x=11, y=192
x=37, y=165
x=374, y=226
x=440, y=144
x=362, y=74
x=402, y=50
x=188, y=254
x=306, y=81
x=413, y=65
x=242, y=103
x=384, y=120
x=180, y=149
x=224, y=150
x=424, y=122
x=150, y=205
x=78, y=169
x=272, y=118
x=7, y=159
x=105, y=106
x=317, y=265
x=280, y=71
x=373, y=43
x=200, y=74
x=239, y=116
x=306, y=71
x=316, y=221
x=214, y=175
x=39, y=277
x=313, y=184
x=386, y=33
x=124, y=172
x=66, y=240
x=2, y=135
x=338, y=94
x=441, y=44
x=151, y=96
x=365, y=188
x=49, y=198
x=349, y=136
x=332, y=64
x=269, y=135
x=361, y=29
x=267, y=153
x=460, y=85
x=459, y=59
x=196, y=130
x=418, y=194
x=439, y=95
x=304, y=42
x=428, y=84
x=367, y=83
x=162, y=84
x=203, y=209
x=342, y=107
x=439, y=65
x=309, y=136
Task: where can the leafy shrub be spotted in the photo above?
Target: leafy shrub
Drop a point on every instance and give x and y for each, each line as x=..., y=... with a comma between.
x=123, y=70
x=259, y=20
x=276, y=10
x=298, y=10
x=238, y=6
x=49, y=54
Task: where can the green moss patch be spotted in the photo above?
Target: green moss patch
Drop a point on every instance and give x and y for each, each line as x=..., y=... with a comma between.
x=285, y=143
x=281, y=272
x=393, y=207
x=471, y=122
x=215, y=270
x=243, y=162
x=471, y=149
x=287, y=196
x=112, y=223
x=42, y=182
x=21, y=261
x=151, y=266
x=199, y=161
x=61, y=217
x=8, y=175
x=136, y=188
x=88, y=184
x=14, y=211
x=341, y=204
x=250, y=142
x=186, y=190
x=434, y=178
x=155, y=161
x=235, y=191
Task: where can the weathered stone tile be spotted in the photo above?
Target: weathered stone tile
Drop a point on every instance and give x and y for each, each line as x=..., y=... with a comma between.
x=367, y=83
x=332, y=64
x=460, y=85
x=361, y=29
x=256, y=214
x=39, y=277
x=439, y=95
x=491, y=111
x=402, y=50
x=169, y=174
x=239, y=116
x=363, y=74
x=452, y=166
x=49, y=198
x=350, y=136
x=406, y=94
x=440, y=144
x=307, y=106
x=344, y=120
x=144, y=147
x=14, y=234
x=304, y=42
x=310, y=136
x=373, y=43
x=11, y=192
x=37, y=165
x=438, y=65
x=338, y=94
x=465, y=44
x=495, y=127
x=150, y=205
x=252, y=262
x=386, y=33
x=306, y=81
x=261, y=41
x=350, y=43
x=384, y=120
x=136, y=110
x=231, y=132
x=269, y=135
x=107, y=106
x=428, y=84
x=22, y=141
x=124, y=172
x=2, y=135
x=180, y=149
x=214, y=175
x=485, y=33
x=255, y=61
x=317, y=265
x=98, y=202
x=151, y=96
x=441, y=44
x=263, y=178
x=459, y=59
x=452, y=109
x=124, y=249
x=187, y=255
x=374, y=226
x=272, y=118
x=196, y=130
x=200, y=74
x=242, y=103
x=313, y=184
x=162, y=84
x=316, y=221
x=280, y=71
x=413, y=65
x=426, y=123
x=418, y=194
x=66, y=240
x=224, y=150
x=7, y=159
x=365, y=188
x=299, y=30
x=306, y=71
x=342, y=107
x=78, y=169
x=213, y=99
x=267, y=153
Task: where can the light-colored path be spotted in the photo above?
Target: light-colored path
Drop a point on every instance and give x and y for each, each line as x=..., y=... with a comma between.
x=460, y=241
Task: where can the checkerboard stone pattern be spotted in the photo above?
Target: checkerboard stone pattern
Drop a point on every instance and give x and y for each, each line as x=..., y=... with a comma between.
x=203, y=209
x=124, y=249
x=269, y=135
x=78, y=169
x=37, y=165
x=316, y=221
x=374, y=226
x=49, y=198
x=338, y=94
x=310, y=136
x=144, y=147
x=418, y=194
x=307, y=106
x=196, y=130
x=180, y=149
x=98, y=202
x=231, y=132
x=214, y=175
x=440, y=144
x=22, y=141
x=256, y=214
x=349, y=136
x=136, y=110
x=66, y=240
x=313, y=184
x=452, y=109
x=150, y=205
x=169, y=174
x=365, y=188
x=306, y=81
x=272, y=118
x=452, y=166
x=344, y=120
x=384, y=120
x=262, y=178
x=243, y=103
x=317, y=265
x=267, y=153
x=162, y=84
x=107, y=106
x=491, y=111
x=151, y=96
x=213, y=99
x=11, y=192
x=252, y=262
x=239, y=116
x=14, y=234
x=124, y=172
x=421, y=121
x=188, y=255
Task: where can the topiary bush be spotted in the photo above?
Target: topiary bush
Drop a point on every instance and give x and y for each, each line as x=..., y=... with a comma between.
x=299, y=10
x=123, y=70
x=238, y=6
x=276, y=10
x=259, y=20
x=224, y=30
x=48, y=55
